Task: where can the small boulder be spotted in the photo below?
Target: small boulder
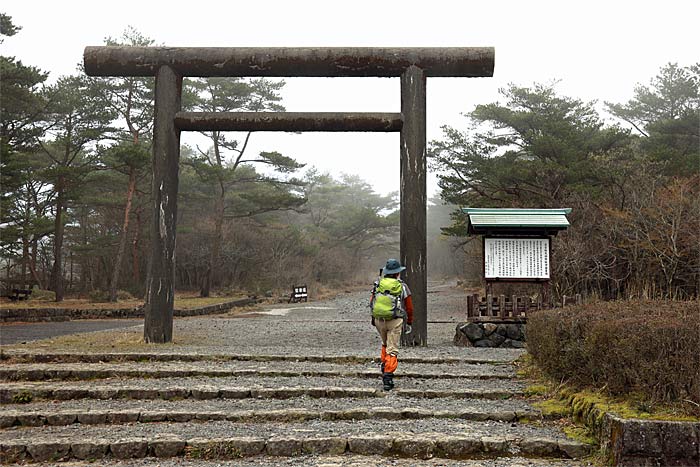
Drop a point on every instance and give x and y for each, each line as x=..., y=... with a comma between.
x=513, y=331
x=497, y=339
x=473, y=331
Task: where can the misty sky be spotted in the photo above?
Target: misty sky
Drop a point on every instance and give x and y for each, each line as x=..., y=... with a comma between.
x=598, y=50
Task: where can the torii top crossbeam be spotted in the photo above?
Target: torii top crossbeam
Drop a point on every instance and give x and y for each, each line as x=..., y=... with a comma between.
x=289, y=61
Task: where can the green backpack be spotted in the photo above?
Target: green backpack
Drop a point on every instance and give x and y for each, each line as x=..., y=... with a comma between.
x=387, y=299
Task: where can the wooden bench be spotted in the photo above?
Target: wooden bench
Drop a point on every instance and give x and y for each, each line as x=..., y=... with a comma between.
x=298, y=294
x=20, y=294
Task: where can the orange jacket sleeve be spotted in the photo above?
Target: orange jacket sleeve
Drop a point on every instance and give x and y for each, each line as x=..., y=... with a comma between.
x=408, y=303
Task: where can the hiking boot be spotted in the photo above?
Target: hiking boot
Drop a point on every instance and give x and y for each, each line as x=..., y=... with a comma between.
x=388, y=380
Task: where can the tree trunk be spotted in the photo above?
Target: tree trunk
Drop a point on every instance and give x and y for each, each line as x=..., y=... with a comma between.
x=135, y=266
x=122, y=237
x=25, y=257
x=32, y=265
x=57, y=270
x=212, y=269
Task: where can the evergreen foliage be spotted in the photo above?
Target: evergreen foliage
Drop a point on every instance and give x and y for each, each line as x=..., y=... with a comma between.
x=634, y=192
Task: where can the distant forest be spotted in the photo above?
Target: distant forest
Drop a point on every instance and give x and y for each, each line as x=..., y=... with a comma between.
x=75, y=206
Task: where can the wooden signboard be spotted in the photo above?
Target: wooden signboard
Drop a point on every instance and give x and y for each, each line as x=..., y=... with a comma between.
x=513, y=259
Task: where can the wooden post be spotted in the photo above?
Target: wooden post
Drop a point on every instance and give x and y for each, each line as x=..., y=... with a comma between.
x=514, y=308
x=470, y=306
x=489, y=305
x=413, y=241
x=158, y=322
x=546, y=299
x=502, y=306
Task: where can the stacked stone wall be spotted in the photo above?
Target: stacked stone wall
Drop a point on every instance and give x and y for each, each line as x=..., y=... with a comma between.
x=509, y=334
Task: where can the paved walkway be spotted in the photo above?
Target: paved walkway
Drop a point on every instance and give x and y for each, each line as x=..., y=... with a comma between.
x=18, y=333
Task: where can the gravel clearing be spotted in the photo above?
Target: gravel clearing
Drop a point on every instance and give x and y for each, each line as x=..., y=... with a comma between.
x=338, y=326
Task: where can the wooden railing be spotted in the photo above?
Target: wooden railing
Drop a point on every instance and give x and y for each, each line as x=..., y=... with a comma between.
x=513, y=307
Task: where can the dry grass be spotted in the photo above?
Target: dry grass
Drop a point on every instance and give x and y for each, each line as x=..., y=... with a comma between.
x=119, y=340
x=73, y=303
x=182, y=302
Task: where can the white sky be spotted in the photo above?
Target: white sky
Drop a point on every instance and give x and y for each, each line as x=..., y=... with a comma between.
x=597, y=49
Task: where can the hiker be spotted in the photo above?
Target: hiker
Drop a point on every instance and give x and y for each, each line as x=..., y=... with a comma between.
x=390, y=304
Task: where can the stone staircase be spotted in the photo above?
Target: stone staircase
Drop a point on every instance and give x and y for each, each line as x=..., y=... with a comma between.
x=193, y=409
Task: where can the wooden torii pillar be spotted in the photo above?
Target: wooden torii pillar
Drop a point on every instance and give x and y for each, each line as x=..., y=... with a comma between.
x=170, y=64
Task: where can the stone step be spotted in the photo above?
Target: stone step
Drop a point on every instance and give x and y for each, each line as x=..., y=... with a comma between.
x=202, y=389
x=395, y=407
x=420, y=438
x=117, y=417
x=341, y=460
x=15, y=356
x=91, y=371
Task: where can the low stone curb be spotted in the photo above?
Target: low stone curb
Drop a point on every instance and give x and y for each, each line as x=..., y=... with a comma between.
x=14, y=356
x=66, y=314
x=423, y=446
x=47, y=392
x=38, y=374
x=62, y=418
x=634, y=442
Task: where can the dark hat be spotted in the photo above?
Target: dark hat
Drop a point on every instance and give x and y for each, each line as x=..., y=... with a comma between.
x=393, y=266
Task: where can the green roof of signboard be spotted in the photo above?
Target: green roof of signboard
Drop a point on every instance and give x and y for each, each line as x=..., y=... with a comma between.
x=494, y=219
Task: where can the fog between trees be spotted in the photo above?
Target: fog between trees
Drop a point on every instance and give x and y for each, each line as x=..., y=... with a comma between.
x=76, y=189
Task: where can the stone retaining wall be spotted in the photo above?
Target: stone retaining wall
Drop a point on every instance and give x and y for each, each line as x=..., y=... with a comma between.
x=491, y=334
x=67, y=314
x=639, y=443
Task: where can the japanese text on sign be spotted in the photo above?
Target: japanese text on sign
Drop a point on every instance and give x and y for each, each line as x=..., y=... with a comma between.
x=521, y=258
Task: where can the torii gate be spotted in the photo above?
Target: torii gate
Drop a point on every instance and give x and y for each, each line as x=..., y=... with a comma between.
x=170, y=64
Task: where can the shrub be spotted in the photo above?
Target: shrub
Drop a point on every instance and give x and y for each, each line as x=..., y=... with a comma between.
x=649, y=348
x=43, y=295
x=124, y=295
x=98, y=296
